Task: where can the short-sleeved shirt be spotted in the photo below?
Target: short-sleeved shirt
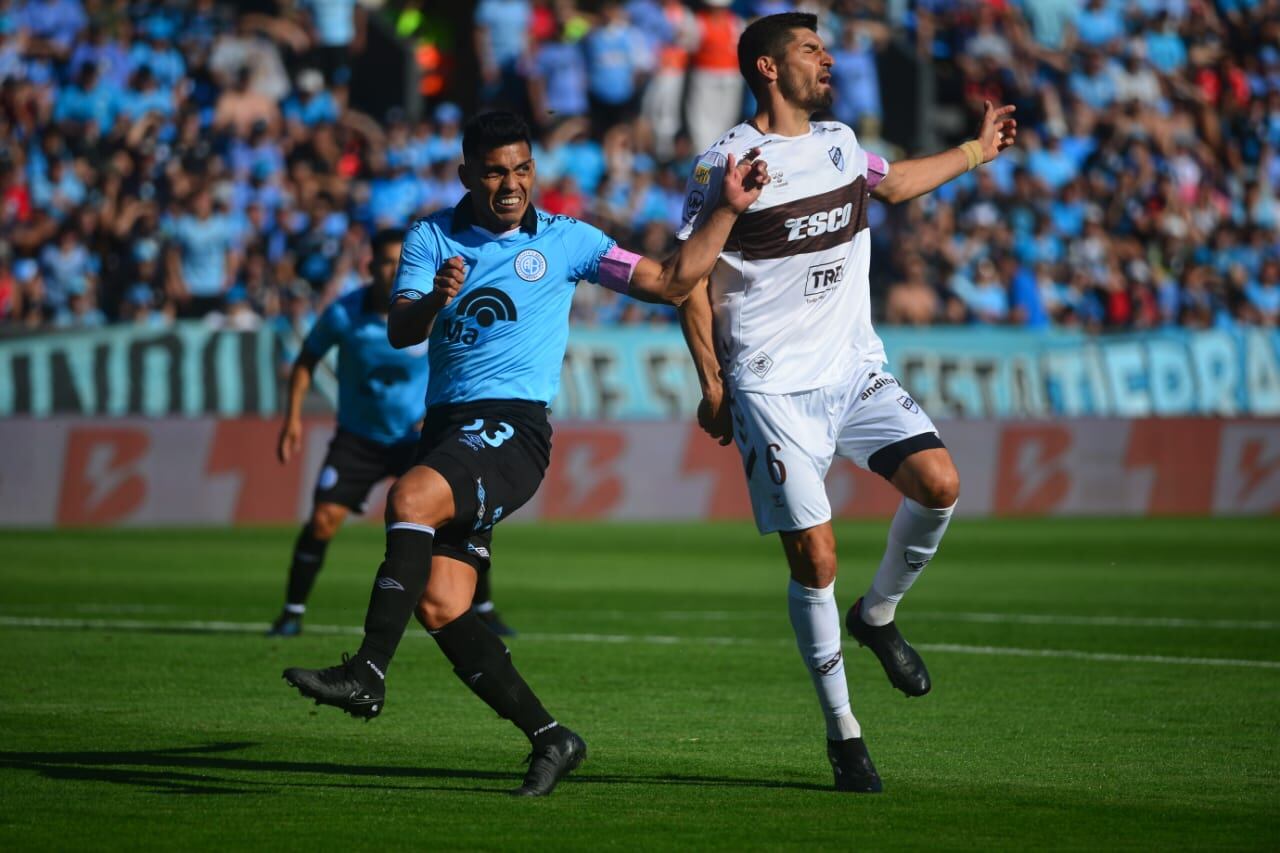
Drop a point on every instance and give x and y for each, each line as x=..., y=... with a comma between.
x=790, y=293
x=503, y=336
x=334, y=20
x=204, y=244
x=380, y=387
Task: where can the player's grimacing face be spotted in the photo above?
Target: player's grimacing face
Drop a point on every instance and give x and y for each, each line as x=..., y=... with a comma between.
x=501, y=185
x=804, y=74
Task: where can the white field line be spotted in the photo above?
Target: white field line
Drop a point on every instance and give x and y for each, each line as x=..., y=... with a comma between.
x=953, y=616
x=218, y=627
x=752, y=615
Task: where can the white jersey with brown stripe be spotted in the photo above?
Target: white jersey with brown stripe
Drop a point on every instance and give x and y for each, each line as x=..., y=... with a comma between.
x=790, y=293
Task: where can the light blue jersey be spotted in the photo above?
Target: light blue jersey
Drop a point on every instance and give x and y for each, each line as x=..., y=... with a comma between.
x=380, y=388
x=503, y=336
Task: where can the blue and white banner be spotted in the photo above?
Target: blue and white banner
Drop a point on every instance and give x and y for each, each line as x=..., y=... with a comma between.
x=644, y=373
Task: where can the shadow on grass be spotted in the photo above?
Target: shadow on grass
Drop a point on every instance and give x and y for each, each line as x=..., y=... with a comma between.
x=184, y=765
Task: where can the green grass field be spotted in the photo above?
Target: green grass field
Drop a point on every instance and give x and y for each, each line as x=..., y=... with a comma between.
x=1102, y=684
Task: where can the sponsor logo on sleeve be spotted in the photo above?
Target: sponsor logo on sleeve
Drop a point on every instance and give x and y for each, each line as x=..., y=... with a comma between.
x=881, y=382
x=693, y=205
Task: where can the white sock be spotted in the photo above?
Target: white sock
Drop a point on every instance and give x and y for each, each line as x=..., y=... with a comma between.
x=816, y=621
x=913, y=540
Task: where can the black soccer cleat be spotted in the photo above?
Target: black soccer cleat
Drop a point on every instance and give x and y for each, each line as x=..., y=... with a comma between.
x=901, y=663
x=340, y=687
x=491, y=620
x=551, y=763
x=286, y=625
x=853, y=768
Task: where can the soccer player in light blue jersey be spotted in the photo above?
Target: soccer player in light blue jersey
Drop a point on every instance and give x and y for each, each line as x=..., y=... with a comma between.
x=380, y=390
x=490, y=282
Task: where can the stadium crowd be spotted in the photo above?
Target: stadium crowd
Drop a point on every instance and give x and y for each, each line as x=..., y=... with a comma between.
x=177, y=159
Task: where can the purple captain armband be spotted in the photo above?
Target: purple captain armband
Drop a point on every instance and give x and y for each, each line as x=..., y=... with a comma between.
x=877, y=170
x=616, y=268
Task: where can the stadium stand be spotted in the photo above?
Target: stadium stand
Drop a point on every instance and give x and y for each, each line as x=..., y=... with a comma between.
x=167, y=160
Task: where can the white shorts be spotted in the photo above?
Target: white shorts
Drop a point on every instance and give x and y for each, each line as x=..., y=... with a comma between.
x=787, y=442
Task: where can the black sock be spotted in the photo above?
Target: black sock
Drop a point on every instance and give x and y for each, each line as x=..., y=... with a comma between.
x=483, y=592
x=308, y=557
x=482, y=662
x=401, y=579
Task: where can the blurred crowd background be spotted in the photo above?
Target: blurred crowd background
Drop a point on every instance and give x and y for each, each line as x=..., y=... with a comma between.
x=161, y=160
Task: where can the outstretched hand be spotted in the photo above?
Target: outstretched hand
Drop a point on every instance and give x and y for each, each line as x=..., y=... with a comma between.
x=744, y=180
x=997, y=131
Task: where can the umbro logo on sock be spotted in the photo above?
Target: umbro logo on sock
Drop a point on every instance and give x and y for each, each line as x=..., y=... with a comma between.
x=389, y=583
x=826, y=668
x=374, y=667
x=548, y=727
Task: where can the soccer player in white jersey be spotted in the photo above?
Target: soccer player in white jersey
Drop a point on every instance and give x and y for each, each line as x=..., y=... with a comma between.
x=791, y=369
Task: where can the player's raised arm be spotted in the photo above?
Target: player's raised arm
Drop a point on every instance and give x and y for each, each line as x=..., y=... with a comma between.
x=907, y=179
x=676, y=277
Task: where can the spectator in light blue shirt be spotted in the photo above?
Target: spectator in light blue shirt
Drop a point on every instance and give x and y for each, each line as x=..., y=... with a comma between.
x=204, y=241
x=1098, y=24
x=558, y=80
x=1165, y=49
x=311, y=104
x=1094, y=83
x=69, y=269
x=107, y=54
x=55, y=21
x=334, y=21
x=145, y=96
x=855, y=77
x=89, y=100
x=1051, y=164
x=1263, y=294
x=501, y=39
x=162, y=58
x=446, y=145
x=613, y=53
x=985, y=295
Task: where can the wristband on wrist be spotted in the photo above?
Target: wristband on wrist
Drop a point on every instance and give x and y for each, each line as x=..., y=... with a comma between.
x=973, y=153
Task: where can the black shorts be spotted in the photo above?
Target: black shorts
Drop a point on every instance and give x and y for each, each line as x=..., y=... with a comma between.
x=493, y=454
x=354, y=465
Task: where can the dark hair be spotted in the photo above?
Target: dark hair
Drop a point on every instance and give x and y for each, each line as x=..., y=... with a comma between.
x=385, y=237
x=488, y=131
x=768, y=36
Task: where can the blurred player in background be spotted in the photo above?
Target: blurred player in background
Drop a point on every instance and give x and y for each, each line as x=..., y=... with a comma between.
x=380, y=392
x=490, y=282
x=791, y=368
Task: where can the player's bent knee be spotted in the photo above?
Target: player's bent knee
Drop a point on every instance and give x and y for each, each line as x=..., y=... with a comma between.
x=421, y=496
x=325, y=521
x=941, y=488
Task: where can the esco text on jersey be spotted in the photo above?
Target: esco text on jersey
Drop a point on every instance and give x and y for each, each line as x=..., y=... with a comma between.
x=822, y=222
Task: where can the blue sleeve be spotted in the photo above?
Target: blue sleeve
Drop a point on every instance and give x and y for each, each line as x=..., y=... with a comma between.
x=586, y=245
x=327, y=331
x=419, y=262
